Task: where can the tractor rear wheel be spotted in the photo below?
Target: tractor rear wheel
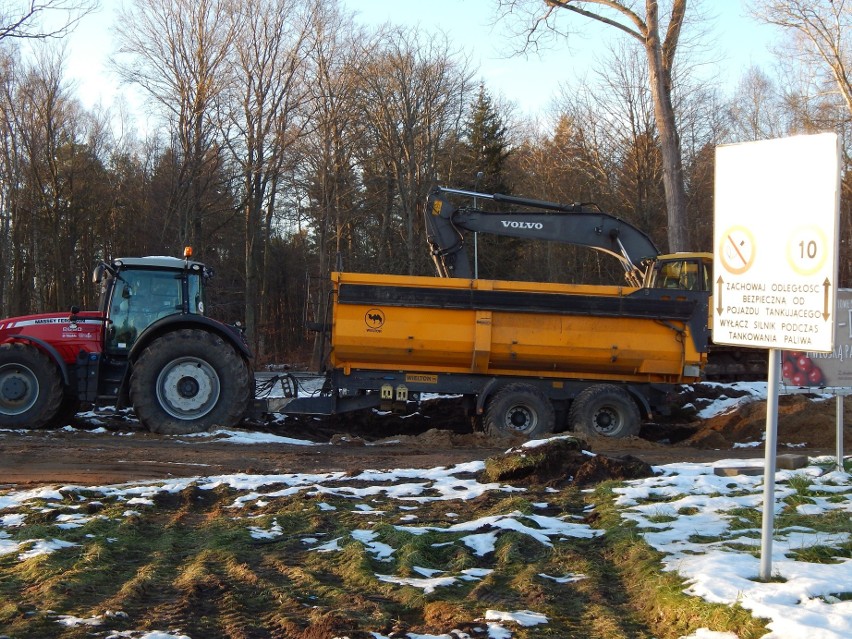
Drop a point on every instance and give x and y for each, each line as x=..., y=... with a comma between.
x=604, y=410
x=30, y=387
x=519, y=409
x=189, y=381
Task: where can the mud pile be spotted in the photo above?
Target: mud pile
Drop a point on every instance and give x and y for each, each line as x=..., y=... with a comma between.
x=804, y=420
x=561, y=462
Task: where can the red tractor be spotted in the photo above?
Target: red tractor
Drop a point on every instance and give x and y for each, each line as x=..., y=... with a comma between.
x=149, y=346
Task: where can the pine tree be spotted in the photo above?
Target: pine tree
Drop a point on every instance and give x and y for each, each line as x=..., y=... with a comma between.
x=486, y=146
x=485, y=152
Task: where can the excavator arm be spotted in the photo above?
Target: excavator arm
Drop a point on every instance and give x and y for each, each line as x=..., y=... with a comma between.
x=446, y=225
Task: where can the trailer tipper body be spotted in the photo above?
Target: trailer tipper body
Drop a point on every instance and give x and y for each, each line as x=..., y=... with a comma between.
x=530, y=357
x=486, y=327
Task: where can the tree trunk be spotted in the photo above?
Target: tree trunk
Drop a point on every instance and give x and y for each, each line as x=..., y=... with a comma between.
x=659, y=77
x=660, y=61
x=669, y=149
x=253, y=268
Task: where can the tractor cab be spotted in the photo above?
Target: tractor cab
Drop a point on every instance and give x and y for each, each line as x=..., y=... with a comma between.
x=137, y=292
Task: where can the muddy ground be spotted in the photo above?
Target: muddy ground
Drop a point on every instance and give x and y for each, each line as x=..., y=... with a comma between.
x=108, y=448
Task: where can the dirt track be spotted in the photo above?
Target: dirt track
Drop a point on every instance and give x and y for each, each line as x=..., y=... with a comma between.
x=99, y=450
x=82, y=457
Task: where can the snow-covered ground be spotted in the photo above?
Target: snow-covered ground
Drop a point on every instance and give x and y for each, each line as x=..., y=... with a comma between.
x=717, y=552
x=723, y=404
x=687, y=512
x=804, y=602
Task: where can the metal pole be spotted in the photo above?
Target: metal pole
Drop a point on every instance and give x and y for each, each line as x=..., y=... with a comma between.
x=768, y=526
x=475, y=255
x=839, y=435
x=476, y=235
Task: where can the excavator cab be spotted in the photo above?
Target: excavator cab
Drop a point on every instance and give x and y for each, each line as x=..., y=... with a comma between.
x=682, y=271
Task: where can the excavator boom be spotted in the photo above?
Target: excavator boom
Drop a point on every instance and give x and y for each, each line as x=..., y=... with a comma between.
x=576, y=224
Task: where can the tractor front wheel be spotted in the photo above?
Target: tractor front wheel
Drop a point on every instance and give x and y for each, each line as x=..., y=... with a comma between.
x=30, y=387
x=189, y=381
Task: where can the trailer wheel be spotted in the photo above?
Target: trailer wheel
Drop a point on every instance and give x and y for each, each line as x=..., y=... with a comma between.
x=189, y=381
x=30, y=387
x=519, y=409
x=604, y=410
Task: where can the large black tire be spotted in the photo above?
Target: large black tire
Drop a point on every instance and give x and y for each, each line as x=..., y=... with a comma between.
x=519, y=409
x=604, y=410
x=68, y=409
x=30, y=387
x=189, y=381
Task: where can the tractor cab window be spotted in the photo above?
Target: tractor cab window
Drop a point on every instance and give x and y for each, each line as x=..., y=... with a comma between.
x=139, y=298
x=196, y=294
x=103, y=279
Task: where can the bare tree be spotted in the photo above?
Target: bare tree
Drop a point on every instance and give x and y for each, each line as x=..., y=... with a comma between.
x=822, y=34
x=11, y=166
x=264, y=118
x=27, y=20
x=756, y=110
x=52, y=202
x=414, y=90
x=325, y=184
x=177, y=52
x=615, y=130
x=659, y=42
x=818, y=94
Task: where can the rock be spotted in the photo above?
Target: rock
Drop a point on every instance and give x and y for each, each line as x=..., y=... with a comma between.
x=347, y=440
x=782, y=462
x=733, y=471
x=791, y=462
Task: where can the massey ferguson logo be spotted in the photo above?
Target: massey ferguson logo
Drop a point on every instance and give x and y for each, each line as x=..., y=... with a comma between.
x=512, y=224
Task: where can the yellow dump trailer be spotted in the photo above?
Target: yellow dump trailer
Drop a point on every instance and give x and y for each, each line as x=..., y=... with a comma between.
x=530, y=357
x=442, y=325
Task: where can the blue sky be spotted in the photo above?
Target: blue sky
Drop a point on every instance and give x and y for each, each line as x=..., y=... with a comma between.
x=532, y=81
x=529, y=82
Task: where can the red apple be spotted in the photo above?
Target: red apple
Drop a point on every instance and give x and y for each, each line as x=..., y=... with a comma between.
x=804, y=363
x=815, y=376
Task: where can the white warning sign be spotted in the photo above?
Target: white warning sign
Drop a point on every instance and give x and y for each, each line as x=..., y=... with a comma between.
x=775, y=243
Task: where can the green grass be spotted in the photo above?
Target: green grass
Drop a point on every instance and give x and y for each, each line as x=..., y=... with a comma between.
x=662, y=517
x=801, y=483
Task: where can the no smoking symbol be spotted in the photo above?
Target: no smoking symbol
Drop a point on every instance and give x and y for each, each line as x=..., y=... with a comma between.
x=737, y=250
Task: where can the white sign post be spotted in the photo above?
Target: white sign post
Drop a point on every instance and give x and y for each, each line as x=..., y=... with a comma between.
x=775, y=236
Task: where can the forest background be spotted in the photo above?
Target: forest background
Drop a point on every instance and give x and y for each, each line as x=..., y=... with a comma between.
x=291, y=139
